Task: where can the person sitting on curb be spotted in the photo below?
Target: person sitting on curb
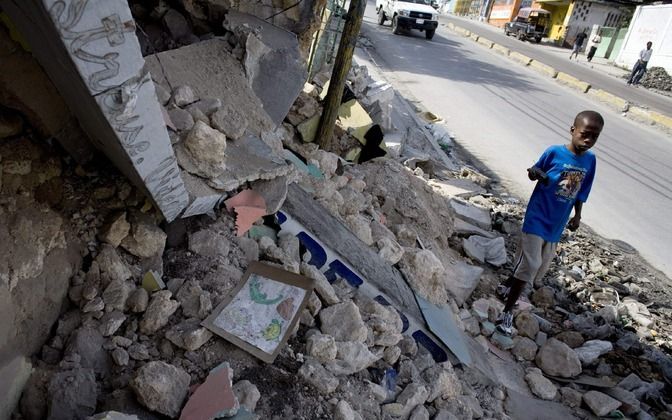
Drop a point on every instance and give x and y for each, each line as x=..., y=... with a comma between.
x=564, y=175
x=640, y=66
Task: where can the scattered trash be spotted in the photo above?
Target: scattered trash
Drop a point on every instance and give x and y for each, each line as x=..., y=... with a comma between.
x=152, y=282
x=214, y=398
x=249, y=206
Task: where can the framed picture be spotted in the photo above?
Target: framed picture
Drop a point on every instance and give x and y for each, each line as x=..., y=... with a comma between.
x=262, y=310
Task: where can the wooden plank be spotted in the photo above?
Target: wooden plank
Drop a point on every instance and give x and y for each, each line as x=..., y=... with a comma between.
x=300, y=205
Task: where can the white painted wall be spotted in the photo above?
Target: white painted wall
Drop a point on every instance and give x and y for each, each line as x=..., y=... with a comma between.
x=649, y=23
x=586, y=14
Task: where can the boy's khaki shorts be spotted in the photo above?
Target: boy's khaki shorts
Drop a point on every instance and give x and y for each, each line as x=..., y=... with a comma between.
x=533, y=258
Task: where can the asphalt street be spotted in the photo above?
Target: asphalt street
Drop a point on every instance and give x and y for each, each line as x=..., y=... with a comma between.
x=563, y=63
x=506, y=115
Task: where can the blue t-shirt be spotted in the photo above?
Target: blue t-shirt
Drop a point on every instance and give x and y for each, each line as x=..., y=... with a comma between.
x=570, y=178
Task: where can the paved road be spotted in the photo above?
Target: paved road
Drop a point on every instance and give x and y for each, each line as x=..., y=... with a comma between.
x=562, y=63
x=505, y=115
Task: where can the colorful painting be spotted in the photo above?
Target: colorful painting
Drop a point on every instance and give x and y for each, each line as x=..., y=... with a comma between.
x=261, y=312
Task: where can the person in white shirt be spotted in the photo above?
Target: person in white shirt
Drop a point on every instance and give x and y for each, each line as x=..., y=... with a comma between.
x=640, y=66
x=595, y=41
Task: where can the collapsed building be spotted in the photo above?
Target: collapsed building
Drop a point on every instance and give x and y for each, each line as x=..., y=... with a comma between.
x=153, y=151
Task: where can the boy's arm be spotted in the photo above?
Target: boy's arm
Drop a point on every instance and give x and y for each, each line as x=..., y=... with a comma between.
x=575, y=221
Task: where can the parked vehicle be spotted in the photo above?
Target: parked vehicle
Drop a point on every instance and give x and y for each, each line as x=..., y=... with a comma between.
x=409, y=14
x=529, y=24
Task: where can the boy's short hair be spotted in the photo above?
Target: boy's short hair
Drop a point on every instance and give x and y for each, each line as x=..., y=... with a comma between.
x=591, y=115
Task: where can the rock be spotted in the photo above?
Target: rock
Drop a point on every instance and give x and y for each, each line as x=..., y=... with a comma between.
x=442, y=382
x=394, y=410
x=599, y=403
x=472, y=214
x=461, y=279
x=72, y=394
x=572, y=338
x=162, y=94
x=556, y=358
x=482, y=249
x=419, y=413
x=229, y=121
x=524, y=348
x=425, y=274
x=146, y=240
x=111, y=264
x=343, y=411
x=110, y=323
x=137, y=300
x=390, y=250
x=183, y=96
x=195, y=302
x=96, y=305
x=214, y=398
x=571, y=397
x=527, y=325
x=391, y=354
x=160, y=308
x=351, y=357
x=541, y=339
x=322, y=286
x=176, y=24
x=637, y=311
x=250, y=248
x=87, y=343
x=209, y=243
x=209, y=105
x=408, y=346
x=361, y=227
x=413, y=395
x=248, y=394
x=631, y=382
x=321, y=347
x=161, y=387
x=138, y=351
x=189, y=334
x=326, y=161
x=116, y=230
x=630, y=405
x=343, y=322
x=116, y=294
x=502, y=341
x=473, y=404
x=182, y=120
x=540, y=386
x=592, y=350
x=383, y=321
x=317, y=376
x=120, y=357
x=206, y=147
x=544, y=297
x=314, y=304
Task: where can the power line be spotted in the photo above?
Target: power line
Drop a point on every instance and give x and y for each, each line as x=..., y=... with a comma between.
x=284, y=10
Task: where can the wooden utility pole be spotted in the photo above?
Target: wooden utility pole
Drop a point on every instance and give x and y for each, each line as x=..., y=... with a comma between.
x=346, y=48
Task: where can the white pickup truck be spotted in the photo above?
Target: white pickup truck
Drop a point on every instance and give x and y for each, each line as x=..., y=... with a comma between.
x=408, y=14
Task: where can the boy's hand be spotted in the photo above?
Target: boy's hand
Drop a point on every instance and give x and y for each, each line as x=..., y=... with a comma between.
x=574, y=223
x=536, y=174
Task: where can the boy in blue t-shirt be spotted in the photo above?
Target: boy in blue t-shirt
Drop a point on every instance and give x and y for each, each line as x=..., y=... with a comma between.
x=564, y=175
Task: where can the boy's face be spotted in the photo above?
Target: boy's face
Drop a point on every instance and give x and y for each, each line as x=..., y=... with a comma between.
x=585, y=134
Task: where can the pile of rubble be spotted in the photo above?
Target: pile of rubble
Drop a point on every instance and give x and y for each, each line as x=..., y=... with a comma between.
x=657, y=78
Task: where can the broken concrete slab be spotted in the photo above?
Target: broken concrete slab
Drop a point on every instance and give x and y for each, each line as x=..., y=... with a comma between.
x=472, y=214
x=519, y=406
x=273, y=63
x=15, y=374
x=210, y=69
x=461, y=280
x=441, y=321
x=482, y=249
x=458, y=187
x=461, y=227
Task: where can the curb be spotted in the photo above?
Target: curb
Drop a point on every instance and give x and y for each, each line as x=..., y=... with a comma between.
x=619, y=104
x=521, y=58
x=573, y=82
x=544, y=69
x=500, y=49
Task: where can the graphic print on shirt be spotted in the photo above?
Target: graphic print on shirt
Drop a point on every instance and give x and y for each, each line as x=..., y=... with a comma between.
x=570, y=182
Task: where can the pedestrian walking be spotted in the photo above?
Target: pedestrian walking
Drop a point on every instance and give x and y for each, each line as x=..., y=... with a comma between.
x=578, y=43
x=594, y=44
x=640, y=66
x=564, y=175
